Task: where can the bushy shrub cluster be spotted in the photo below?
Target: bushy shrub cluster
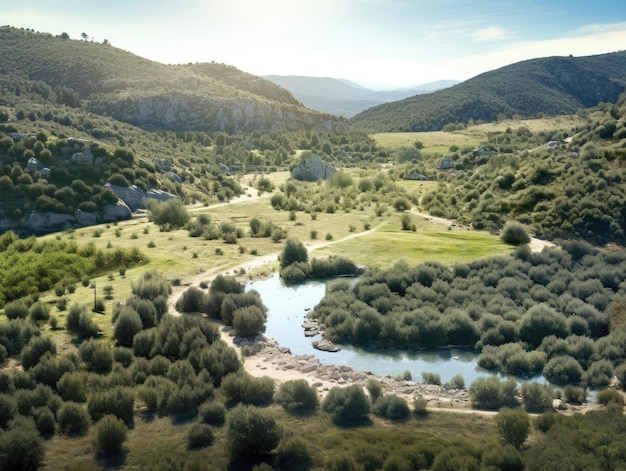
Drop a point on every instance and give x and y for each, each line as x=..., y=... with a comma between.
x=297, y=396
x=532, y=312
x=347, y=405
x=226, y=300
x=30, y=266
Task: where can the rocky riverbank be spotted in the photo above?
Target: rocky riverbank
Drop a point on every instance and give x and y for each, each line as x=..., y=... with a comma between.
x=278, y=363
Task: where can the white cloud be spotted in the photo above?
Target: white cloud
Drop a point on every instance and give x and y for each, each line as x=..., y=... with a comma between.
x=492, y=33
x=589, y=40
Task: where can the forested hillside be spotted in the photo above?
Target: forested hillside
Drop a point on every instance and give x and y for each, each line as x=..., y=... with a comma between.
x=547, y=86
x=562, y=184
x=109, y=81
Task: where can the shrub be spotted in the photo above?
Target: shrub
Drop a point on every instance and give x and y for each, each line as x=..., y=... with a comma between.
x=599, y=373
x=574, y=394
x=293, y=453
x=294, y=251
x=374, y=388
x=79, y=322
x=346, y=405
x=514, y=233
x=541, y=321
x=457, y=382
x=72, y=418
x=35, y=349
x=8, y=409
x=168, y=215
x=431, y=378
x=109, y=434
x=16, y=310
x=391, y=407
x=151, y=286
x=212, y=413
x=295, y=273
x=420, y=406
x=73, y=386
x=563, y=370
x=192, y=300
x=118, y=401
x=251, y=431
x=610, y=396
x=127, y=325
x=503, y=458
x=97, y=356
x=39, y=312
x=491, y=393
x=401, y=204
x=297, y=396
x=248, y=321
x=545, y=421
x=242, y=387
x=44, y=420
x=513, y=425
x=21, y=449
x=536, y=397
x=200, y=436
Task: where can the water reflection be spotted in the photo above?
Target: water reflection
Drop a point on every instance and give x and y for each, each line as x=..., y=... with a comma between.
x=288, y=306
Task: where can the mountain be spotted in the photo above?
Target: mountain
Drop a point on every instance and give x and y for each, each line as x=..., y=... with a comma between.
x=549, y=86
x=343, y=97
x=108, y=81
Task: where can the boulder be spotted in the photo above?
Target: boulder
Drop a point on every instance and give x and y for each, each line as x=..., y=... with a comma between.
x=7, y=224
x=159, y=195
x=85, y=218
x=34, y=165
x=41, y=222
x=311, y=169
x=172, y=176
x=133, y=196
x=325, y=346
x=116, y=212
x=83, y=158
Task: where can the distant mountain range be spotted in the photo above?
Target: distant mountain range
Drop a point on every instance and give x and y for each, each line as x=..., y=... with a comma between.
x=343, y=97
x=549, y=86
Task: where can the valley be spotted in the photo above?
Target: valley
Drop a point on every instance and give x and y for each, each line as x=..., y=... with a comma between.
x=139, y=200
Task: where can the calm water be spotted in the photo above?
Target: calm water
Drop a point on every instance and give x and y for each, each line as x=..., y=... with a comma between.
x=287, y=308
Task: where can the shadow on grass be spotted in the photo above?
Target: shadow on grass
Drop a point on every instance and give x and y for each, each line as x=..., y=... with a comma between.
x=246, y=463
x=115, y=460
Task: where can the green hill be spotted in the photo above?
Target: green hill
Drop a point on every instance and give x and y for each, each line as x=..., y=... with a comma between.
x=109, y=81
x=549, y=86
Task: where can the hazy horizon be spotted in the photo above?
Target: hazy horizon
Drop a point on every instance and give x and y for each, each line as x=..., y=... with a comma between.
x=375, y=43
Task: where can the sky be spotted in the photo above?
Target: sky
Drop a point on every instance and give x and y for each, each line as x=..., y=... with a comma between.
x=378, y=43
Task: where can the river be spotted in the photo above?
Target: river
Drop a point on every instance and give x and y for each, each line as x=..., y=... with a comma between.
x=288, y=306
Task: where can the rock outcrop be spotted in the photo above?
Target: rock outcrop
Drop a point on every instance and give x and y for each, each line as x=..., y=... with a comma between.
x=188, y=112
x=44, y=222
x=311, y=169
x=135, y=198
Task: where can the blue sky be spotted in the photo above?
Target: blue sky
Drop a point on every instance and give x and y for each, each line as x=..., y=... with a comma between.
x=382, y=43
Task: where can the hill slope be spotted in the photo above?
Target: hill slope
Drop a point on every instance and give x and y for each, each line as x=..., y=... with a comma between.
x=109, y=81
x=345, y=98
x=552, y=86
